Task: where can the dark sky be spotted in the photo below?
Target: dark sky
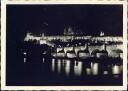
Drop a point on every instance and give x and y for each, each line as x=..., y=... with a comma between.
x=52, y=19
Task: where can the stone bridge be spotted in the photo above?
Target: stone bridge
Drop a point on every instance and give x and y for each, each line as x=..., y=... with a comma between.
x=109, y=48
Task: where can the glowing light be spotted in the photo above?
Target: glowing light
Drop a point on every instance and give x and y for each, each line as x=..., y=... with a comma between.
x=25, y=60
x=25, y=53
x=95, y=67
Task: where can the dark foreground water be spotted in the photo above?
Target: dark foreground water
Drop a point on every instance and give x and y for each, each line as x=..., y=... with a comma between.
x=65, y=72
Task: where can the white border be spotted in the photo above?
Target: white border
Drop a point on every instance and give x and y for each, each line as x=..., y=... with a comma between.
x=3, y=47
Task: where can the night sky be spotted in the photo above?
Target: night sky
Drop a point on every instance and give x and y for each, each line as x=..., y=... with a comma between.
x=52, y=19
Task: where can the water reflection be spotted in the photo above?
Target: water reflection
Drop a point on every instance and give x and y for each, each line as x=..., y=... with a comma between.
x=88, y=71
x=65, y=71
x=95, y=68
x=67, y=67
x=116, y=69
x=79, y=68
x=25, y=60
x=75, y=67
x=53, y=65
x=59, y=66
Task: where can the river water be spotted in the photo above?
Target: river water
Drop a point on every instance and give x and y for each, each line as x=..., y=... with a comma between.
x=56, y=71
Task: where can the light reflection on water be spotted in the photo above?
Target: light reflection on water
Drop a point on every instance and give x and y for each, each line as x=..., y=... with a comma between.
x=88, y=71
x=78, y=68
x=53, y=65
x=75, y=67
x=116, y=69
x=67, y=67
x=95, y=67
x=59, y=66
x=25, y=59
